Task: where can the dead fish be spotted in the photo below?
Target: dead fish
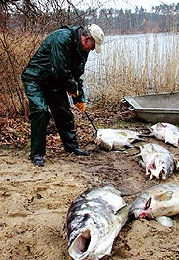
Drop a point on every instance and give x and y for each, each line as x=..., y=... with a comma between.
x=158, y=202
x=166, y=132
x=94, y=220
x=116, y=139
x=157, y=160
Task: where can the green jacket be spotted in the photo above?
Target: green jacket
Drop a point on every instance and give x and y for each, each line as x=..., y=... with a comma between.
x=59, y=62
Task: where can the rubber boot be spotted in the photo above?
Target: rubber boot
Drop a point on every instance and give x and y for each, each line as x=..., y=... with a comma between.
x=39, y=122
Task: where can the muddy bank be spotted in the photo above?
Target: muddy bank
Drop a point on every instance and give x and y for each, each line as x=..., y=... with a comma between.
x=34, y=202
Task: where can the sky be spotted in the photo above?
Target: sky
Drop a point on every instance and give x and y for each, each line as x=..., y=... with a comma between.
x=124, y=4
x=147, y=4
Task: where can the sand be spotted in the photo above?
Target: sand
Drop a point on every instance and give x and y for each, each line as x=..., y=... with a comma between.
x=34, y=203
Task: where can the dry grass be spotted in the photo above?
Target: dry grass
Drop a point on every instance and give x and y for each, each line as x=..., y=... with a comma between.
x=15, y=51
x=133, y=65
x=128, y=65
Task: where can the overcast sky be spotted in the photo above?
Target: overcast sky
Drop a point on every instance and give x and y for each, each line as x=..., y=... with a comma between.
x=124, y=4
x=147, y=4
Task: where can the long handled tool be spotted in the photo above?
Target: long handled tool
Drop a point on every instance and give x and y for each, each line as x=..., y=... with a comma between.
x=91, y=121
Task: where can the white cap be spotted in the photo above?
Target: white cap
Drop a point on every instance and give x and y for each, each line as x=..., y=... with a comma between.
x=98, y=36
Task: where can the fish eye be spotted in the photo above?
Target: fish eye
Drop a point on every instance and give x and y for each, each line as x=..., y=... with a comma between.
x=147, y=205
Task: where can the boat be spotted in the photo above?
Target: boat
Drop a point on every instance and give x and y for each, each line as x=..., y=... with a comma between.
x=154, y=108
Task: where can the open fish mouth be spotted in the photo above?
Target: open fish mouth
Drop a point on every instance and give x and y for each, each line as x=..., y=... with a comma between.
x=161, y=165
x=81, y=244
x=159, y=173
x=155, y=171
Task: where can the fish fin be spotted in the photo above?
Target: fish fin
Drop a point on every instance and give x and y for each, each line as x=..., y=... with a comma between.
x=151, y=176
x=130, y=146
x=176, y=162
x=165, y=221
x=124, y=210
x=159, y=125
x=146, y=132
x=108, y=251
x=135, y=155
x=122, y=133
x=140, y=139
x=151, y=146
x=141, y=162
x=164, y=196
x=146, y=135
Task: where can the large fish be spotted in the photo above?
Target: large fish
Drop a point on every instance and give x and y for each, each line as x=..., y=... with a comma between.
x=157, y=160
x=166, y=132
x=94, y=220
x=159, y=202
x=116, y=139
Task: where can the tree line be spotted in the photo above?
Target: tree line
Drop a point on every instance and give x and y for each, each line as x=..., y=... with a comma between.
x=48, y=15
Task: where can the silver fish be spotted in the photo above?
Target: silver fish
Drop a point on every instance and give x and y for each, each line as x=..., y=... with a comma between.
x=166, y=132
x=116, y=139
x=158, y=202
x=157, y=160
x=94, y=220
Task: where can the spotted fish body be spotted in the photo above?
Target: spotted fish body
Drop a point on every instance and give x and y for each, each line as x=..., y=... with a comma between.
x=157, y=160
x=166, y=132
x=116, y=139
x=94, y=220
x=158, y=202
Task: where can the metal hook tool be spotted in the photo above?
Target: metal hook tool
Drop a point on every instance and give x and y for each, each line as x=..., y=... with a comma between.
x=91, y=121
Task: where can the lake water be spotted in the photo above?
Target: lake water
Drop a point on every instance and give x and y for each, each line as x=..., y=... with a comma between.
x=135, y=47
x=147, y=54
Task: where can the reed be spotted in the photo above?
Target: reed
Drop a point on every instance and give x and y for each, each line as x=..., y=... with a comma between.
x=131, y=65
x=127, y=66
x=16, y=48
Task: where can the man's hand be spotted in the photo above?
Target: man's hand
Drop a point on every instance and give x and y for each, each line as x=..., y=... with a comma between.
x=78, y=101
x=74, y=95
x=80, y=106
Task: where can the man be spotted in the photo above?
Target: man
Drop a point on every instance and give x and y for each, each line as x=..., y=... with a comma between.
x=53, y=72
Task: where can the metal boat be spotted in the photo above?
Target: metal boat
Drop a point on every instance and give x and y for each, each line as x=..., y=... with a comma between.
x=159, y=107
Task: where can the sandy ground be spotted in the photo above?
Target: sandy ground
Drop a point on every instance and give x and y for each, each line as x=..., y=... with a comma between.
x=34, y=203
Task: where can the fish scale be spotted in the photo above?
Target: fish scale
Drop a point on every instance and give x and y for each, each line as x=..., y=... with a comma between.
x=94, y=219
x=166, y=132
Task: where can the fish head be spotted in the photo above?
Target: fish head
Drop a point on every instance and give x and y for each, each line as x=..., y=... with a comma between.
x=94, y=219
x=176, y=162
x=172, y=137
x=105, y=138
x=161, y=166
x=82, y=245
x=140, y=207
x=95, y=239
x=158, y=131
